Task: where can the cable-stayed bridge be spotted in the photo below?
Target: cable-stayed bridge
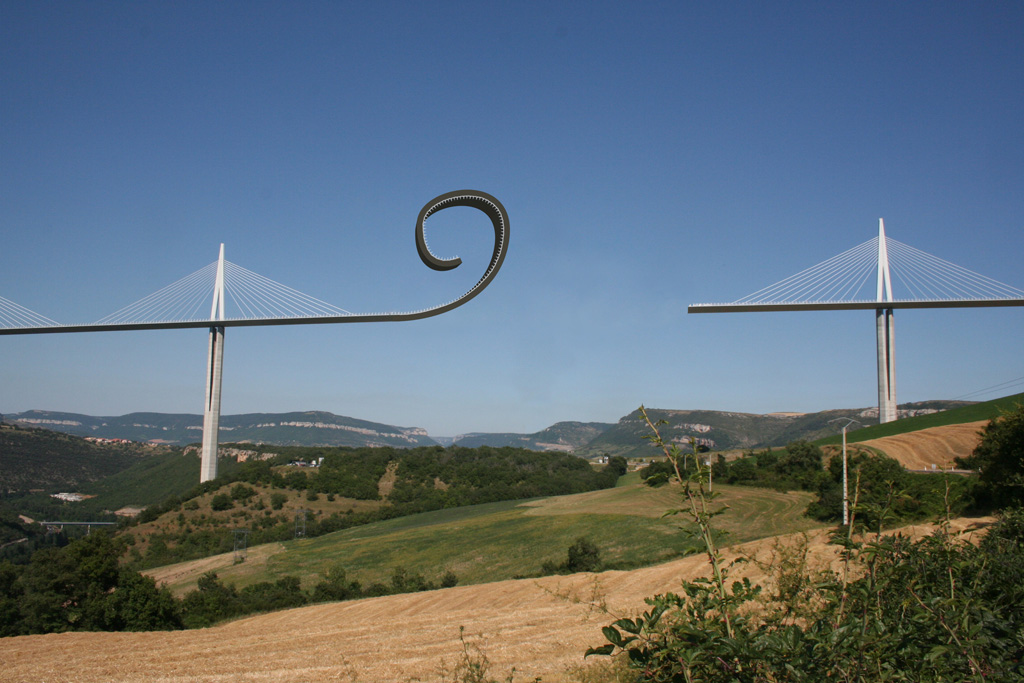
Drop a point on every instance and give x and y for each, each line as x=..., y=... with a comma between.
x=238, y=297
x=244, y=298
x=846, y=281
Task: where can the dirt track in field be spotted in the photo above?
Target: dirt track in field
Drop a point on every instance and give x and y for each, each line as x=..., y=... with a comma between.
x=936, y=446
x=541, y=627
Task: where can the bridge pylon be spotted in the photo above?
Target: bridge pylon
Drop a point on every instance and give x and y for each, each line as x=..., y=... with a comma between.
x=214, y=374
x=885, y=335
x=836, y=285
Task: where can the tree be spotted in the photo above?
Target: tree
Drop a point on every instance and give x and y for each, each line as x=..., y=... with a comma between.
x=138, y=604
x=242, y=492
x=210, y=602
x=743, y=469
x=617, y=465
x=800, y=463
x=221, y=502
x=999, y=459
x=584, y=556
x=82, y=588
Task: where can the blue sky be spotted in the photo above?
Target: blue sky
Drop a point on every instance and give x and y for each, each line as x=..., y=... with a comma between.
x=650, y=156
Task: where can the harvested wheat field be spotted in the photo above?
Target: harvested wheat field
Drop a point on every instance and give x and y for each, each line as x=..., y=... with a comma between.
x=926, y=447
x=541, y=627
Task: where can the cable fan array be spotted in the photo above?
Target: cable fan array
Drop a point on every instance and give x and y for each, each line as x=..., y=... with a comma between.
x=851, y=276
x=248, y=296
x=13, y=315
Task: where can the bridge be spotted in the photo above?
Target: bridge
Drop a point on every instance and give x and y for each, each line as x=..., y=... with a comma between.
x=254, y=300
x=841, y=282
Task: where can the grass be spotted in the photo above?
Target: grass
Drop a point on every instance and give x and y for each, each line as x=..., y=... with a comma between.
x=986, y=410
x=504, y=540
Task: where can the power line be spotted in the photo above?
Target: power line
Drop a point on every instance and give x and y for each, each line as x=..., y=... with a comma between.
x=1002, y=386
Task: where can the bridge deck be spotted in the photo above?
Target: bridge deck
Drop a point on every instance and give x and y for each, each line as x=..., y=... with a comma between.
x=851, y=305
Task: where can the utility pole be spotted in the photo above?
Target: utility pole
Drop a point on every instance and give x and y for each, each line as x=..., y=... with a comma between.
x=846, y=501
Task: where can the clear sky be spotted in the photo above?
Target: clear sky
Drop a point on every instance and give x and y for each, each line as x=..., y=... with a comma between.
x=650, y=155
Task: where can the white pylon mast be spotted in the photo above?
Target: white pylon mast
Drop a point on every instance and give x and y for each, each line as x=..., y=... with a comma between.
x=214, y=373
x=884, y=280
x=884, y=332
x=217, y=308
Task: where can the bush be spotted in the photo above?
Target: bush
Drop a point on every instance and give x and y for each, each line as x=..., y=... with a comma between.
x=221, y=502
x=584, y=556
x=82, y=588
x=936, y=609
x=242, y=493
x=999, y=459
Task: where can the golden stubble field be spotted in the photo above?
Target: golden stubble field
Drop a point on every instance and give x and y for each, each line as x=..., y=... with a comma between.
x=936, y=446
x=539, y=627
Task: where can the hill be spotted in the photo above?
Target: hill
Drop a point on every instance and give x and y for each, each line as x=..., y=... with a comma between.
x=53, y=461
x=539, y=627
x=561, y=436
x=350, y=488
x=311, y=428
x=934, y=447
x=723, y=431
x=956, y=414
x=501, y=540
x=718, y=430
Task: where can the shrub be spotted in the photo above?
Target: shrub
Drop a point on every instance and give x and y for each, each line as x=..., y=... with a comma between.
x=999, y=459
x=221, y=502
x=242, y=493
x=929, y=610
x=584, y=556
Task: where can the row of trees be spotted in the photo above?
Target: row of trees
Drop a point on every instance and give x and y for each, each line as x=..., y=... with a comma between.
x=878, y=479
x=84, y=587
x=449, y=477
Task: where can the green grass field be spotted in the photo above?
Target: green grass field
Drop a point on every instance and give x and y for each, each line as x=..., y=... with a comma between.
x=986, y=410
x=503, y=540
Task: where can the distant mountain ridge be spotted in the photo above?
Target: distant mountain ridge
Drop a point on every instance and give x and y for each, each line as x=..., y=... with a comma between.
x=311, y=428
x=561, y=436
x=723, y=431
x=718, y=430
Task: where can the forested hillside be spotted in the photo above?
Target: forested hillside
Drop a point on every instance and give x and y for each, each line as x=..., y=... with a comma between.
x=41, y=459
x=347, y=488
x=722, y=431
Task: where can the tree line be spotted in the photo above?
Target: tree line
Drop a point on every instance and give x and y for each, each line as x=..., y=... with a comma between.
x=878, y=480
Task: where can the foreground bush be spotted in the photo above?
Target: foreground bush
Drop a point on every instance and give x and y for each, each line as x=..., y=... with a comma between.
x=937, y=609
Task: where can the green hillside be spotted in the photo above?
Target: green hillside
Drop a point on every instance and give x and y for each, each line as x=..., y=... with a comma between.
x=723, y=431
x=974, y=412
x=346, y=488
x=502, y=540
x=562, y=436
x=52, y=461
